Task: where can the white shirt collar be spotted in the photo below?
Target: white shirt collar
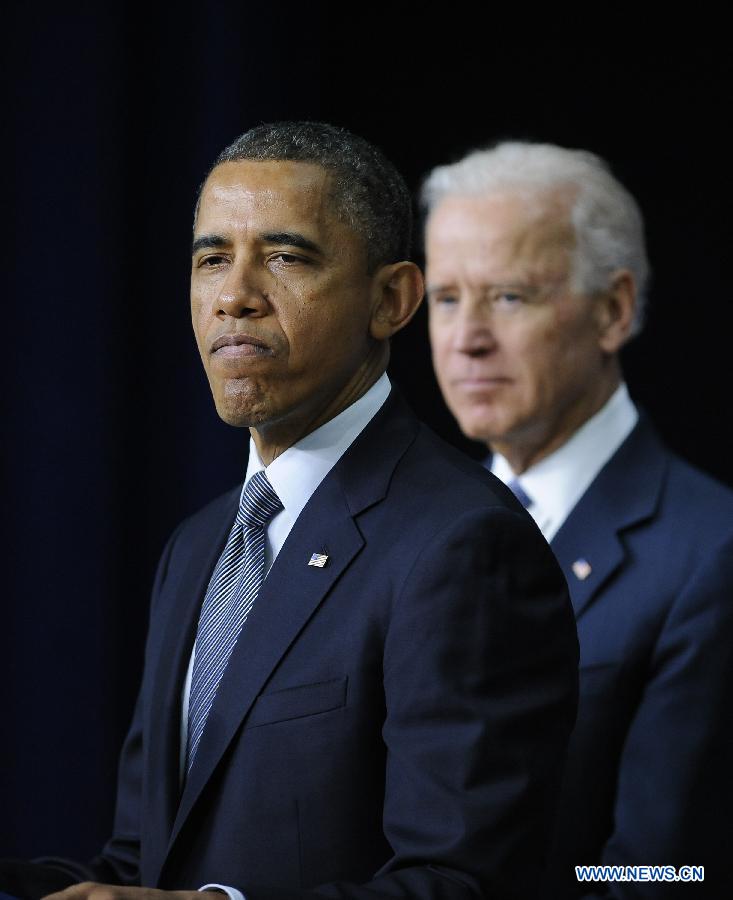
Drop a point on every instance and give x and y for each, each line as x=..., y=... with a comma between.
x=298, y=471
x=557, y=482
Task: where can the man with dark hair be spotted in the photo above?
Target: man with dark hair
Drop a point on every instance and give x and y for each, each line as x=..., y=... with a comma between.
x=536, y=270
x=360, y=670
x=366, y=190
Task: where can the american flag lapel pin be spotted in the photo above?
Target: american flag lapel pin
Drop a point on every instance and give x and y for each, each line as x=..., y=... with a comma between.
x=318, y=559
x=581, y=569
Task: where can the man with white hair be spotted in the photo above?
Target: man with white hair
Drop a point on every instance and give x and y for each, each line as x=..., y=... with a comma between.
x=536, y=270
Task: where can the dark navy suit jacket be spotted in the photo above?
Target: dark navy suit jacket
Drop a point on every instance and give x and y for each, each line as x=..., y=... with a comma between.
x=649, y=778
x=391, y=725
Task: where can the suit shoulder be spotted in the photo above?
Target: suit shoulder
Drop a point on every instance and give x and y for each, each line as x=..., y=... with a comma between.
x=451, y=479
x=692, y=504
x=211, y=515
x=701, y=494
x=645, y=484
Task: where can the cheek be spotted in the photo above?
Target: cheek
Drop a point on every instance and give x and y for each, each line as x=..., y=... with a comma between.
x=559, y=359
x=198, y=304
x=301, y=325
x=199, y=321
x=442, y=364
x=197, y=315
x=534, y=359
x=439, y=346
x=324, y=330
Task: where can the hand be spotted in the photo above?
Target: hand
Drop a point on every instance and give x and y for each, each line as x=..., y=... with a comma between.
x=90, y=890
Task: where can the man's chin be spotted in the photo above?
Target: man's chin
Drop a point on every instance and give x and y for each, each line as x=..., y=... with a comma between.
x=238, y=415
x=239, y=405
x=478, y=429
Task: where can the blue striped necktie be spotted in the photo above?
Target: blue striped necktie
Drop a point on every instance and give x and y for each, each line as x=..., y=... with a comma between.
x=519, y=492
x=232, y=591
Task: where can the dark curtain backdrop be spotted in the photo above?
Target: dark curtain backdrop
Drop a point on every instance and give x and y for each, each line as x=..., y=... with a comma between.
x=113, y=113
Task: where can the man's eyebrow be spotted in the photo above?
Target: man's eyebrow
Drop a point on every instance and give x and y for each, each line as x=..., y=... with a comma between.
x=286, y=238
x=291, y=239
x=207, y=240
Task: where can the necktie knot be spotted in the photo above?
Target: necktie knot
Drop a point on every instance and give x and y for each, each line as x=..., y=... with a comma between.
x=259, y=502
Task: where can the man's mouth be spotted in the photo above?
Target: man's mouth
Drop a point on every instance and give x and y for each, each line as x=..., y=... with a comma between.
x=239, y=345
x=479, y=381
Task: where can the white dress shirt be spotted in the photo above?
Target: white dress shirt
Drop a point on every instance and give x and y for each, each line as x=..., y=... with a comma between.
x=295, y=475
x=557, y=482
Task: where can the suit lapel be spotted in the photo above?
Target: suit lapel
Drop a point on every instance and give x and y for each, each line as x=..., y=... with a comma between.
x=163, y=729
x=588, y=555
x=293, y=590
x=288, y=597
x=625, y=493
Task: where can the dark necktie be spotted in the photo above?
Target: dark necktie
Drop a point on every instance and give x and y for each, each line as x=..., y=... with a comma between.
x=231, y=593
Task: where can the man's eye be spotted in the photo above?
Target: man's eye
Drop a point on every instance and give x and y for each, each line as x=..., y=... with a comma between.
x=213, y=259
x=508, y=298
x=444, y=299
x=289, y=259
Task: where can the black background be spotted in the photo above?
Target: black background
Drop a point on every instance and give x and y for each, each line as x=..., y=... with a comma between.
x=113, y=113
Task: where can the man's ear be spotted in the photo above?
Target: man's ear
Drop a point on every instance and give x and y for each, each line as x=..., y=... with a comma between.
x=616, y=312
x=398, y=292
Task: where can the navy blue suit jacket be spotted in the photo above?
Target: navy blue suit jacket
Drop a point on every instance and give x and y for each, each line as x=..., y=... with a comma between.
x=393, y=724
x=649, y=777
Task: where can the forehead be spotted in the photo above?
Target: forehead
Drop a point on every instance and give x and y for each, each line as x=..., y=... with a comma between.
x=500, y=235
x=267, y=193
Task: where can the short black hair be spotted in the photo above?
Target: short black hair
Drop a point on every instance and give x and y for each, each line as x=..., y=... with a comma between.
x=369, y=193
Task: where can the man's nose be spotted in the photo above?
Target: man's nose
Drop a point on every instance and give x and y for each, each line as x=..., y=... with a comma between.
x=243, y=293
x=474, y=333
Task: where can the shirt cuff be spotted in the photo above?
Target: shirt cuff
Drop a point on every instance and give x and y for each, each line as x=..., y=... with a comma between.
x=231, y=892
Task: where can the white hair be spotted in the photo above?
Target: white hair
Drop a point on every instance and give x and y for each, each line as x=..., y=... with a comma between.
x=609, y=228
